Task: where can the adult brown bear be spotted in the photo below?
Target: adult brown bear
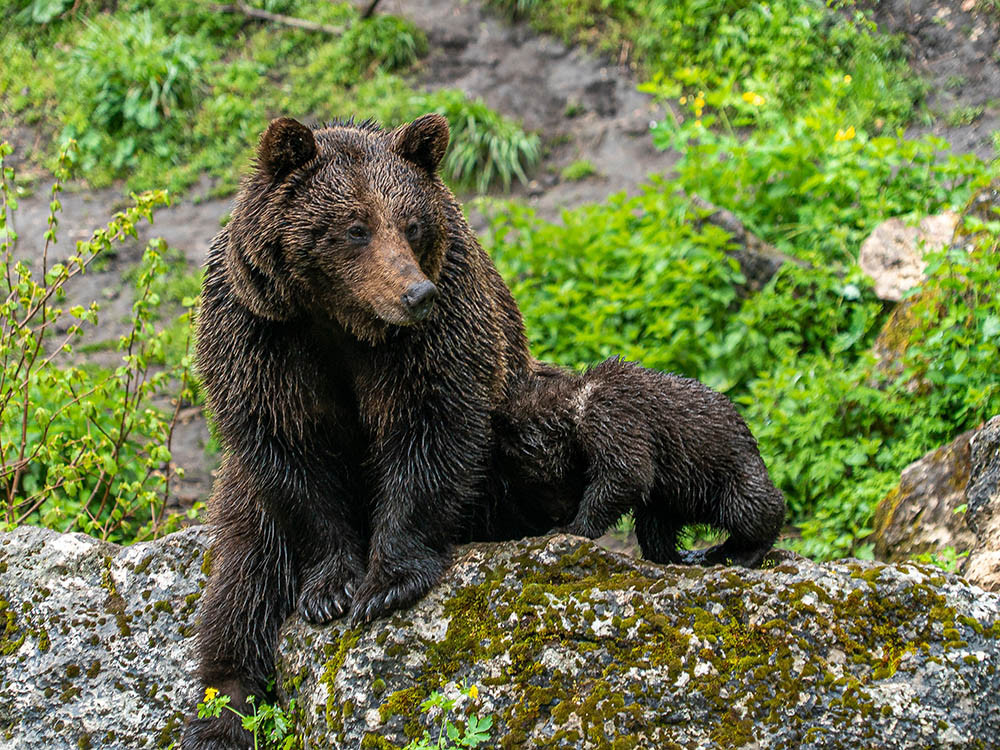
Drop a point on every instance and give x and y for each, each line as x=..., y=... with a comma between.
x=354, y=341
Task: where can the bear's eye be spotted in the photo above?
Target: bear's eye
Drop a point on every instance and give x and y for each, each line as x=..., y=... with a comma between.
x=358, y=233
x=413, y=231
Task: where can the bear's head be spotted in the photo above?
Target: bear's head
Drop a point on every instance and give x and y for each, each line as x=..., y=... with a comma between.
x=346, y=221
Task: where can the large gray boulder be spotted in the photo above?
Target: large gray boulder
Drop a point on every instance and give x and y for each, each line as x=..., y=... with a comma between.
x=96, y=652
x=573, y=646
x=569, y=645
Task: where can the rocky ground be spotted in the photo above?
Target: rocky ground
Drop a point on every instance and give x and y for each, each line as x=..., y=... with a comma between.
x=585, y=107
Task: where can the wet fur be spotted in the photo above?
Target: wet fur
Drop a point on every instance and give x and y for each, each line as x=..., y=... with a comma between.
x=356, y=448
x=360, y=443
x=622, y=438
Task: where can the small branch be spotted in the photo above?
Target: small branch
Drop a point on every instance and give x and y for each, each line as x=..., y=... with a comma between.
x=263, y=15
x=370, y=10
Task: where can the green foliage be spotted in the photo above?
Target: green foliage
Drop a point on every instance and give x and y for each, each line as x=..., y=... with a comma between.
x=947, y=558
x=475, y=732
x=635, y=276
x=485, y=147
x=270, y=725
x=812, y=183
x=161, y=92
x=129, y=80
x=83, y=448
x=578, y=170
x=781, y=49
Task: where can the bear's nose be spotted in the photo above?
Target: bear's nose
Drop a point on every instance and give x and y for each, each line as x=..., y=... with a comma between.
x=419, y=298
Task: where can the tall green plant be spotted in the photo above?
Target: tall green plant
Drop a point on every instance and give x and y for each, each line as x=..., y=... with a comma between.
x=82, y=448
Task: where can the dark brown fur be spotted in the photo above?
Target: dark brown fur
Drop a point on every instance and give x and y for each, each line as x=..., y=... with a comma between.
x=356, y=424
x=589, y=448
x=359, y=352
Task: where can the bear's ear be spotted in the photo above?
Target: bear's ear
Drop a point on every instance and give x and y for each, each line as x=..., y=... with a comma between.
x=286, y=145
x=423, y=141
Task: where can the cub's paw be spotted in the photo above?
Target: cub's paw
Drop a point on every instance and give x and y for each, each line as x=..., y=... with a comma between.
x=386, y=590
x=328, y=589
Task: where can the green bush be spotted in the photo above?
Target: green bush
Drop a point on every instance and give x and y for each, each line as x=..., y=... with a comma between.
x=83, y=447
x=131, y=82
x=782, y=49
x=813, y=183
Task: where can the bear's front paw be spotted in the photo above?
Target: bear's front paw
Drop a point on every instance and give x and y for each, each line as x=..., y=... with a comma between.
x=384, y=591
x=328, y=589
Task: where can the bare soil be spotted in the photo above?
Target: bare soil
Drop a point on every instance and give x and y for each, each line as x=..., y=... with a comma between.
x=582, y=106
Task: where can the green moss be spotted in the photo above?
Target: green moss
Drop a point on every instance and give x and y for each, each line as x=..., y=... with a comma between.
x=372, y=741
x=13, y=636
x=402, y=702
x=348, y=640
x=144, y=564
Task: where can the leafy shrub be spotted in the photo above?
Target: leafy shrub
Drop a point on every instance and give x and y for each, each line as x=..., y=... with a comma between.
x=781, y=49
x=634, y=276
x=813, y=183
x=485, y=146
x=83, y=448
x=130, y=79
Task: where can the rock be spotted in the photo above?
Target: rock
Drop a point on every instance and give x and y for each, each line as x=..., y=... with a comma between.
x=572, y=646
x=96, y=650
x=893, y=254
x=920, y=514
x=758, y=260
x=982, y=496
x=569, y=645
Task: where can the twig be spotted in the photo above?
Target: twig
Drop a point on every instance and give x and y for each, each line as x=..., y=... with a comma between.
x=370, y=9
x=263, y=15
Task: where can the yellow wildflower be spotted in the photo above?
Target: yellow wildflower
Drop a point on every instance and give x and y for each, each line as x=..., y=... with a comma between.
x=698, y=123
x=684, y=100
x=847, y=78
x=473, y=692
x=752, y=98
x=699, y=103
x=210, y=693
x=844, y=135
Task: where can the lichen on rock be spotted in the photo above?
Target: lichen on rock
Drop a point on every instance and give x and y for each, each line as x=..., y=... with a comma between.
x=96, y=646
x=574, y=646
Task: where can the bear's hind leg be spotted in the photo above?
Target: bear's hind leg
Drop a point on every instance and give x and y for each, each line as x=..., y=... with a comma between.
x=752, y=512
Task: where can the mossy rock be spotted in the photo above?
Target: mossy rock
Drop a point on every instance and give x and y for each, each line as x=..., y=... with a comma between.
x=572, y=646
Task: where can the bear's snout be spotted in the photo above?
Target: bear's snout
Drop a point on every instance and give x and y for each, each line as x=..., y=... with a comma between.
x=419, y=298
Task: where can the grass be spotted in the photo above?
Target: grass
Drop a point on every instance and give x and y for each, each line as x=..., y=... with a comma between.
x=578, y=170
x=160, y=93
x=781, y=49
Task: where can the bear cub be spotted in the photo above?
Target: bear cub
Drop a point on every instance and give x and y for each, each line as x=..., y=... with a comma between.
x=622, y=438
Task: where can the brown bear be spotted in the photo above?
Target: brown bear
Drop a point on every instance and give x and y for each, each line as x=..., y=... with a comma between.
x=589, y=448
x=354, y=342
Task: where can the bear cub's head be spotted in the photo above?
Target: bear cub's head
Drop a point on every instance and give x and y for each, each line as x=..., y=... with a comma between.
x=346, y=221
